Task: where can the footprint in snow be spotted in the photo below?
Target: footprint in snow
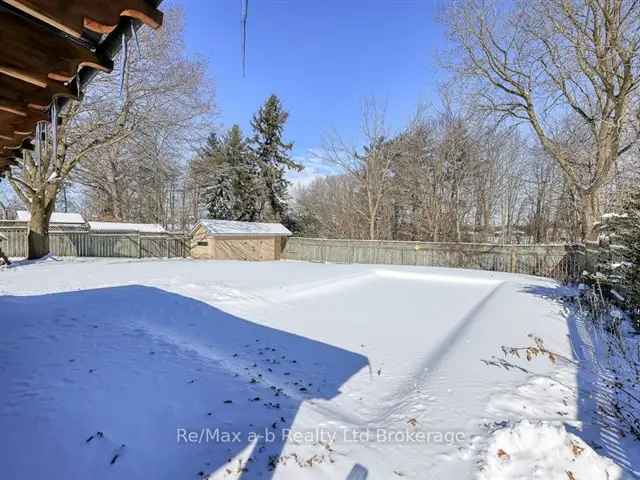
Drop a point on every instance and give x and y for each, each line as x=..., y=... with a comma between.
x=95, y=435
x=117, y=454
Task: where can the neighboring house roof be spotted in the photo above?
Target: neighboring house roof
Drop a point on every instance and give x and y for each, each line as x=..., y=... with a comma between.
x=126, y=227
x=56, y=217
x=229, y=227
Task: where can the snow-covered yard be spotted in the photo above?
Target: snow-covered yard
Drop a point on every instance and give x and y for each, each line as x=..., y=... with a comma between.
x=170, y=369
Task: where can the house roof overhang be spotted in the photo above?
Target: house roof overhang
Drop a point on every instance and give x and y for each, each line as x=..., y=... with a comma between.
x=50, y=50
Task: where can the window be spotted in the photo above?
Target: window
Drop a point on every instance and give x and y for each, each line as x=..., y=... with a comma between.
x=203, y=244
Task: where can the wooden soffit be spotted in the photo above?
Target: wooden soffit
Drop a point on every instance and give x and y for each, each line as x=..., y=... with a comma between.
x=44, y=47
x=100, y=16
x=36, y=54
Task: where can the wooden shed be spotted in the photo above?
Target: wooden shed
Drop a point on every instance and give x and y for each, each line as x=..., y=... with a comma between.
x=231, y=240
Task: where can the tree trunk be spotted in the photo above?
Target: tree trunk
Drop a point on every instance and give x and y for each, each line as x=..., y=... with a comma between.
x=3, y=209
x=38, y=232
x=589, y=214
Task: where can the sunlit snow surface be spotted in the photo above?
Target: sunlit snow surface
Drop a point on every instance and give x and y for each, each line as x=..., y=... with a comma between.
x=186, y=369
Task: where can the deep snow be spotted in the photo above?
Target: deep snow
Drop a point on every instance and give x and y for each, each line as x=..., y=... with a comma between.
x=185, y=369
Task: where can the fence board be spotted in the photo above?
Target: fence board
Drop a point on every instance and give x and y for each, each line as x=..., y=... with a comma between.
x=91, y=244
x=562, y=262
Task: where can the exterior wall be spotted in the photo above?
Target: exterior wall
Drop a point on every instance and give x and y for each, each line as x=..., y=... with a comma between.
x=245, y=248
x=253, y=248
x=200, y=235
x=281, y=245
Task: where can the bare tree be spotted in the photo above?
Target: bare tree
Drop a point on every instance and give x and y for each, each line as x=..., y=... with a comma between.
x=4, y=210
x=138, y=179
x=371, y=167
x=542, y=61
x=326, y=208
x=38, y=176
x=448, y=176
x=112, y=137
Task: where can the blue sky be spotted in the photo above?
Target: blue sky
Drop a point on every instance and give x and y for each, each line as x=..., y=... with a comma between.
x=321, y=57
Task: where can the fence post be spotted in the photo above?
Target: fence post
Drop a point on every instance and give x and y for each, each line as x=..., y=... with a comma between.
x=139, y=246
x=514, y=260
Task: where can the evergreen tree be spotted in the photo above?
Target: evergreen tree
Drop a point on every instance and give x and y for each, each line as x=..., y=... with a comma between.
x=245, y=179
x=219, y=197
x=244, y=173
x=619, y=264
x=211, y=147
x=273, y=157
x=231, y=176
x=628, y=236
x=202, y=168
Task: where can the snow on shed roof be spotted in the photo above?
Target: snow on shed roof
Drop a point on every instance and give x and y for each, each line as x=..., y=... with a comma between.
x=229, y=227
x=126, y=227
x=56, y=217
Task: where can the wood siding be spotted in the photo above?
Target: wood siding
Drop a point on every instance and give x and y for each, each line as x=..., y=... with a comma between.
x=234, y=247
x=245, y=248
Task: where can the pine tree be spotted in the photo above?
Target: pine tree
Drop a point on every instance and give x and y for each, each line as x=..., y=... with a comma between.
x=273, y=157
x=202, y=168
x=628, y=236
x=619, y=264
x=211, y=147
x=244, y=172
x=219, y=197
x=231, y=176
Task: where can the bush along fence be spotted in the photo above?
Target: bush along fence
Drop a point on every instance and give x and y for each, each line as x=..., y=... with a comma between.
x=91, y=244
x=562, y=262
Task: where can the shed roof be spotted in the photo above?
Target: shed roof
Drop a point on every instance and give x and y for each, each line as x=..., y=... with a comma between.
x=126, y=227
x=56, y=217
x=230, y=227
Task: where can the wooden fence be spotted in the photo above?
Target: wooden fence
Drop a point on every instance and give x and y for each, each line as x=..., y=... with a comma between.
x=562, y=262
x=92, y=244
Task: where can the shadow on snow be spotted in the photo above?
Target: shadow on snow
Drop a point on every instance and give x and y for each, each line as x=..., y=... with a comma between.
x=594, y=394
x=146, y=368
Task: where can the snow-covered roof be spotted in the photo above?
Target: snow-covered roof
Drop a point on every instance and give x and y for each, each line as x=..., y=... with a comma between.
x=229, y=227
x=56, y=217
x=608, y=216
x=126, y=227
